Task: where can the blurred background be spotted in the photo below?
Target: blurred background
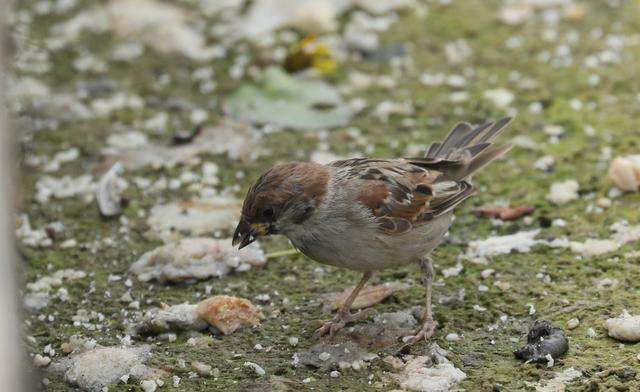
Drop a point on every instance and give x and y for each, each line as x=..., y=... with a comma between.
x=138, y=123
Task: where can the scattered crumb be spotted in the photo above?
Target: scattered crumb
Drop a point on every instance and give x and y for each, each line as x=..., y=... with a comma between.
x=228, y=314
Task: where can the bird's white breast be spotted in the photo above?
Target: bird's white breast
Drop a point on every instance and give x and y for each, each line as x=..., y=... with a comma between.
x=343, y=233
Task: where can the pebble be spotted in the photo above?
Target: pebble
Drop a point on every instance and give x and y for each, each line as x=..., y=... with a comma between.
x=487, y=272
x=595, y=247
x=202, y=369
x=148, y=385
x=625, y=327
x=553, y=130
x=255, y=367
x=573, y=323
x=604, y=202
x=293, y=341
x=41, y=361
x=336, y=374
x=559, y=222
x=563, y=192
x=624, y=172
x=324, y=356
x=591, y=333
x=452, y=337
x=479, y=308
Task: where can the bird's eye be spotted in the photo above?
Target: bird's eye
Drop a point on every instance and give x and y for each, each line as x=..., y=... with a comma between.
x=268, y=212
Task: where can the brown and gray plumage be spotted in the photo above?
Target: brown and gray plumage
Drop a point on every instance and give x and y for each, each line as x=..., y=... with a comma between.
x=369, y=214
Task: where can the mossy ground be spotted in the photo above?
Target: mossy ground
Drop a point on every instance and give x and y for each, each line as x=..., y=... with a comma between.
x=486, y=356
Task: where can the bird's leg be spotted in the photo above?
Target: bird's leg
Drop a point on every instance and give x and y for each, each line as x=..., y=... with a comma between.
x=429, y=325
x=344, y=316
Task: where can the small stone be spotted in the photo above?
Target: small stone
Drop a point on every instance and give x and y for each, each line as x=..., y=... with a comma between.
x=336, y=374
x=293, y=341
x=603, y=202
x=595, y=247
x=591, y=333
x=487, y=272
x=126, y=297
x=544, y=163
x=573, y=323
x=452, y=337
x=624, y=172
x=148, y=385
x=559, y=222
x=553, y=130
x=357, y=365
x=563, y=192
x=625, y=327
x=257, y=369
x=500, y=97
x=202, y=369
x=324, y=356
x=344, y=365
x=41, y=361
x=66, y=347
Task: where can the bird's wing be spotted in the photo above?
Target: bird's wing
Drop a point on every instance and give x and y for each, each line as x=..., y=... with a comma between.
x=402, y=194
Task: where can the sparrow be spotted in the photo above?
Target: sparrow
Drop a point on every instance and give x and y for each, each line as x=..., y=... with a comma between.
x=371, y=214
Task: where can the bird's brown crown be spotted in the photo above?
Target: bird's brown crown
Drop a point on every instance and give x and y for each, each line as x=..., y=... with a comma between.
x=282, y=184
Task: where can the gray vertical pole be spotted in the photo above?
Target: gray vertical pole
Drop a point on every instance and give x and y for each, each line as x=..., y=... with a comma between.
x=11, y=357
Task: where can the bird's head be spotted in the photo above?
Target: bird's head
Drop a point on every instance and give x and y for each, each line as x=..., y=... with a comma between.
x=280, y=200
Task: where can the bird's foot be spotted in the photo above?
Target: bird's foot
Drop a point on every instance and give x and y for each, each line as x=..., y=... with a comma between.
x=427, y=331
x=339, y=321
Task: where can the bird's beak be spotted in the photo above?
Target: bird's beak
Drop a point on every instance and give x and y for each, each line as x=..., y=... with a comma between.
x=247, y=233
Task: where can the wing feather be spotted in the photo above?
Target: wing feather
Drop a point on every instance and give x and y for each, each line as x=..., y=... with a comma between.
x=404, y=193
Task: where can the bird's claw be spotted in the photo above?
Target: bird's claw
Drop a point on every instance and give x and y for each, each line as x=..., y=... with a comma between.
x=329, y=327
x=339, y=321
x=427, y=331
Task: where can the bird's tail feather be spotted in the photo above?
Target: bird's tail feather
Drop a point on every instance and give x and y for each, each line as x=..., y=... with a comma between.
x=465, y=150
